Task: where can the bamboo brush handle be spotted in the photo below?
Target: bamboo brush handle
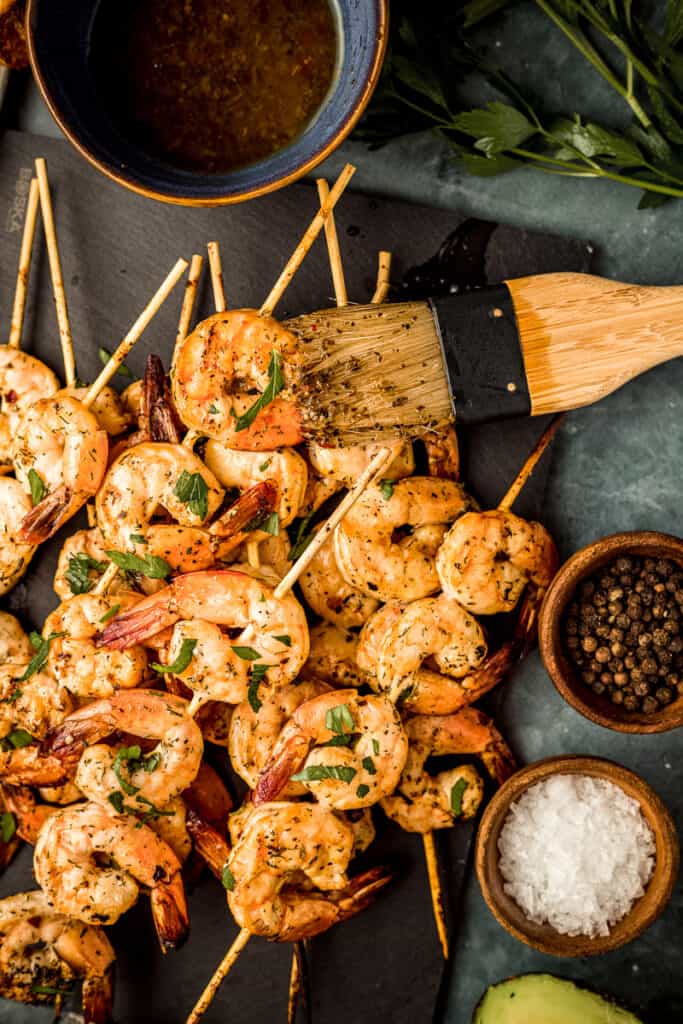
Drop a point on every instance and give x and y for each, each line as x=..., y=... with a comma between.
x=583, y=336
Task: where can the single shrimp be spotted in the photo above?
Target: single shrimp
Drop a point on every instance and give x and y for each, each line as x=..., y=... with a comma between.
x=273, y=629
x=74, y=659
x=68, y=867
x=289, y=870
x=14, y=643
x=443, y=453
x=15, y=553
x=253, y=733
x=332, y=656
x=345, y=465
x=242, y=469
x=23, y=381
x=329, y=595
x=42, y=953
x=371, y=558
x=153, y=779
x=62, y=443
x=433, y=627
x=359, y=821
x=34, y=703
x=488, y=558
x=371, y=637
x=81, y=563
x=223, y=366
x=423, y=802
x=355, y=771
x=108, y=409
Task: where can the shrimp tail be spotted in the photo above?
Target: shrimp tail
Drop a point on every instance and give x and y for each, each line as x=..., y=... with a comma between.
x=169, y=911
x=208, y=843
x=30, y=766
x=43, y=521
x=98, y=998
x=284, y=762
x=256, y=502
x=315, y=914
x=143, y=620
x=208, y=797
x=29, y=815
x=362, y=891
x=160, y=414
x=68, y=740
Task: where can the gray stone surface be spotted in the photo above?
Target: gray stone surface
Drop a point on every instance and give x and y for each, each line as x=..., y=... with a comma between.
x=617, y=466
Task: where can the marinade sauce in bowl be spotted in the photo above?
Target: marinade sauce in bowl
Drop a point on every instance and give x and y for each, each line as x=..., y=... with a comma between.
x=210, y=85
x=204, y=102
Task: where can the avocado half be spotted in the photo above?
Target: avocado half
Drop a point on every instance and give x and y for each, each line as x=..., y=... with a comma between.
x=545, y=999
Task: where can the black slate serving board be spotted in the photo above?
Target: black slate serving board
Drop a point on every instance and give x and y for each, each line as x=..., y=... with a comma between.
x=116, y=247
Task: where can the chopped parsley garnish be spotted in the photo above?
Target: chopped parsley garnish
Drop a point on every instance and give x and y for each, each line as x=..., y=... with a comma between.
x=51, y=990
x=193, y=491
x=181, y=662
x=457, y=793
x=318, y=772
x=152, y=566
x=105, y=356
x=362, y=791
x=227, y=878
x=255, y=703
x=213, y=409
x=131, y=758
x=8, y=826
x=14, y=695
x=339, y=719
x=17, y=739
x=303, y=538
x=78, y=571
x=264, y=465
x=38, y=488
x=115, y=608
x=286, y=640
x=246, y=653
x=375, y=746
x=271, y=525
x=274, y=386
x=387, y=488
x=116, y=800
x=137, y=538
x=41, y=645
x=369, y=765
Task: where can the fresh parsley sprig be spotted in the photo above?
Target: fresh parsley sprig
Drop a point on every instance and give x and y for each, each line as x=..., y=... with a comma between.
x=276, y=383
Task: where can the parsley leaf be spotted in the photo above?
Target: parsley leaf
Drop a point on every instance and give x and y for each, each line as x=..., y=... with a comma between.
x=496, y=127
x=271, y=525
x=264, y=465
x=303, y=538
x=286, y=640
x=181, y=662
x=126, y=756
x=369, y=765
x=18, y=738
x=227, y=878
x=339, y=719
x=116, y=800
x=246, y=653
x=78, y=571
x=362, y=791
x=255, y=703
x=213, y=409
x=457, y=793
x=137, y=538
x=375, y=746
x=193, y=491
x=8, y=826
x=152, y=566
x=39, y=659
x=318, y=772
x=387, y=488
x=51, y=990
x=274, y=386
x=105, y=356
x=38, y=488
x=115, y=608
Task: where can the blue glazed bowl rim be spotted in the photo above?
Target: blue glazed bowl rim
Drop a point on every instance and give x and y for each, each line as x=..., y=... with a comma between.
x=347, y=100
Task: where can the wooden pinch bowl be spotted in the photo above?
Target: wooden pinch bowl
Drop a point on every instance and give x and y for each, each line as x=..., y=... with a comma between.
x=550, y=634
x=542, y=936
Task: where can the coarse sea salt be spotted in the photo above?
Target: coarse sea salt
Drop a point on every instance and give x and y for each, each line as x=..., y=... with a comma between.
x=576, y=852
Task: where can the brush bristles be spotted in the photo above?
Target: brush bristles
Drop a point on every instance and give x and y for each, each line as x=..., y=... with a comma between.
x=372, y=373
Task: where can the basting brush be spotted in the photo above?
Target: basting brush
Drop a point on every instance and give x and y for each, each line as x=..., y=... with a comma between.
x=530, y=346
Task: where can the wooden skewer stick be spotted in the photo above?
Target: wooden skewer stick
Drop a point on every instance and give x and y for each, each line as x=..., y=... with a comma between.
x=147, y=315
x=436, y=891
x=56, y=274
x=106, y=580
x=379, y=462
x=294, y=987
x=333, y=250
x=30, y=220
x=383, y=282
x=309, y=237
x=219, y=975
x=512, y=493
x=189, y=297
x=216, y=269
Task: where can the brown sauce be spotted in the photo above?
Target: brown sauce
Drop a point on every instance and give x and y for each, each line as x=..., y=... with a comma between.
x=210, y=85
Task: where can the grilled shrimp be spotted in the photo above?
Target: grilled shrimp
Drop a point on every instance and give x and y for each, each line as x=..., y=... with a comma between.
x=369, y=556
x=242, y=469
x=14, y=643
x=288, y=868
x=332, y=656
x=223, y=365
x=153, y=779
x=68, y=867
x=83, y=556
x=356, y=772
x=345, y=465
x=423, y=802
x=273, y=629
x=62, y=443
x=330, y=596
x=253, y=734
x=108, y=409
x=34, y=704
x=443, y=453
x=43, y=952
x=23, y=381
x=76, y=662
x=488, y=558
x=15, y=553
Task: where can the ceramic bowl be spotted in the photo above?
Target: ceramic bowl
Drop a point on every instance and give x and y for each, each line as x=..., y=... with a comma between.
x=59, y=38
x=561, y=592
x=542, y=936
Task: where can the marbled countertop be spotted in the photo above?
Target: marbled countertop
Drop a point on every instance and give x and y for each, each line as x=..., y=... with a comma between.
x=616, y=466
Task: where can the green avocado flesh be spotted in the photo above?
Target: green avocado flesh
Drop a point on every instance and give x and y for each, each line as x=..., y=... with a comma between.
x=544, y=999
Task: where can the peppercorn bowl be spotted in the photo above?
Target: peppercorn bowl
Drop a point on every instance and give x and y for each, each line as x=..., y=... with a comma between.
x=543, y=936
x=588, y=696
